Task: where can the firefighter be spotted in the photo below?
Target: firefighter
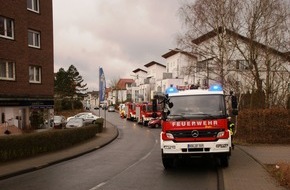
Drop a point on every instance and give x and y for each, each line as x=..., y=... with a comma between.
x=122, y=110
x=231, y=127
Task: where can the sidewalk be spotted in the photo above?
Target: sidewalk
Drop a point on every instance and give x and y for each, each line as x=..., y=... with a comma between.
x=246, y=168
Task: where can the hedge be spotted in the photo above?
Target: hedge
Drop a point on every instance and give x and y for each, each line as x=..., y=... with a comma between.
x=31, y=144
x=263, y=126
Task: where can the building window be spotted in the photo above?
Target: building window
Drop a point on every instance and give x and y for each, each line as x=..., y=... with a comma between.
x=201, y=66
x=33, y=5
x=7, y=70
x=34, y=74
x=33, y=39
x=6, y=28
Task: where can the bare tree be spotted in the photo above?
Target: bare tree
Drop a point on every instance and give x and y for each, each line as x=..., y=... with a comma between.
x=204, y=19
x=247, y=41
x=266, y=24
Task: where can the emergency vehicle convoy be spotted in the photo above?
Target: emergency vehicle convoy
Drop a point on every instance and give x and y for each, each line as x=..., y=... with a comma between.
x=144, y=113
x=194, y=123
x=130, y=112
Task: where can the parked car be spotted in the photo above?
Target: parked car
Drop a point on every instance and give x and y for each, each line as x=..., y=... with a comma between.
x=79, y=115
x=111, y=109
x=59, y=122
x=91, y=118
x=75, y=122
x=87, y=116
x=154, y=123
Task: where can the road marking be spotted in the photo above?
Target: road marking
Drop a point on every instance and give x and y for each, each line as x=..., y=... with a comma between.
x=98, y=186
x=140, y=160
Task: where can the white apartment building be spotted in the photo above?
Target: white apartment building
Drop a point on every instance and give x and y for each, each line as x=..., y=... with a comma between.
x=230, y=64
x=147, y=85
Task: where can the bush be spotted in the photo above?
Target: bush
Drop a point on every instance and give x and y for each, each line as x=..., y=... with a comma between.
x=263, y=126
x=31, y=144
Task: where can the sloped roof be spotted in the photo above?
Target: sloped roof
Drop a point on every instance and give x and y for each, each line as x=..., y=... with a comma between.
x=154, y=63
x=137, y=70
x=175, y=51
x=215, y=32
x=121, y=85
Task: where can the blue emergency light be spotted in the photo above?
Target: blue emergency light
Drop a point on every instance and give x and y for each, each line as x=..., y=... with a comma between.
x=216, y=87
x=171, y=90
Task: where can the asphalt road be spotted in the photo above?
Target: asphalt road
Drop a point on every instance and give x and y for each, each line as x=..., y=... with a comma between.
x=132, y=161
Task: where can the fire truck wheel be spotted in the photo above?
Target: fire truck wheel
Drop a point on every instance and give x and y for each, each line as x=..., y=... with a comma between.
x=168, y=163
x=224, y=161
x=156, y=125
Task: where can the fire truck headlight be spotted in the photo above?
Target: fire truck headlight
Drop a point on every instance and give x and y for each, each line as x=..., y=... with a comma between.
x=169, y=136
x=223, y=135
x=220, y=134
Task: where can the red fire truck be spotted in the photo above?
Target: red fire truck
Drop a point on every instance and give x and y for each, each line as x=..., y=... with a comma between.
x=195, y=124
x=144, y=113
x=130, y=111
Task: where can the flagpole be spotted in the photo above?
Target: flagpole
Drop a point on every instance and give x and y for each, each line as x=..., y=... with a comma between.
x=102, y=91
x=99, y=91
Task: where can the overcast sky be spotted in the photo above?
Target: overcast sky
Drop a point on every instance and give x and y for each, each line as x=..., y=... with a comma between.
x=117, y=35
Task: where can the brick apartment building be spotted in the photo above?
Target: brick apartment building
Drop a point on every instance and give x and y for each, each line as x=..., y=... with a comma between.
x=26, y=62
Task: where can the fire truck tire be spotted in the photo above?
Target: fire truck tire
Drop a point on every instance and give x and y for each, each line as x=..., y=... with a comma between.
x=224, y=161
x=168, y=162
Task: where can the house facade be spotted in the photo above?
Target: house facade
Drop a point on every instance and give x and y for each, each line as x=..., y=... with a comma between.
x=26, y=62
x=121, y=92
x=180, y=70
x=236, y=62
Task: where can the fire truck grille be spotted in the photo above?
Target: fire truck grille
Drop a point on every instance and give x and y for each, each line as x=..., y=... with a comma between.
x=195, y=133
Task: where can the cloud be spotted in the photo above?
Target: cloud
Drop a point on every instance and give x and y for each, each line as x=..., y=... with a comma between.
x=117, y=35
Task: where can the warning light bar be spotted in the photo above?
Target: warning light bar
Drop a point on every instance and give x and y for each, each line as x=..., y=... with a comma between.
x=216, y=87
x=171, y=90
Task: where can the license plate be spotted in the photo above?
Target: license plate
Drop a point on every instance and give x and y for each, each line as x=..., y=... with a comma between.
x=195, y=146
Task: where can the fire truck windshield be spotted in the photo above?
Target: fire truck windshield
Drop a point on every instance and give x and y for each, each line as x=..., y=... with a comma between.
x=198, y=106
x=149, y=108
